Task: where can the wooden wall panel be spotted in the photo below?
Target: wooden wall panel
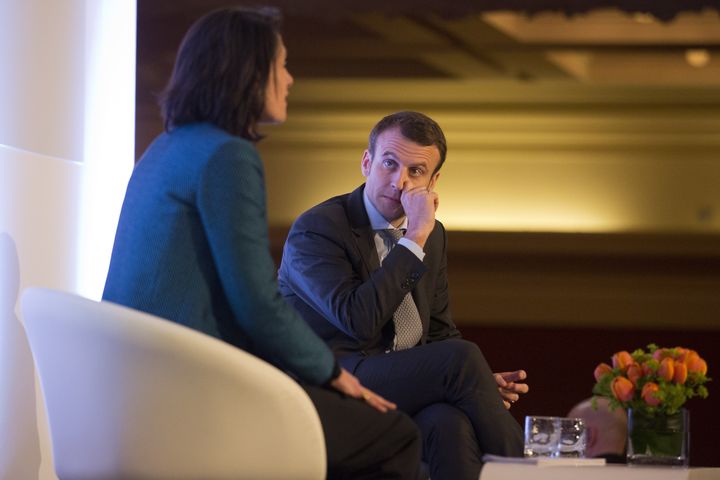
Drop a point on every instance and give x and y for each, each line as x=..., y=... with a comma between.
x=632, y=281
x=582, y=280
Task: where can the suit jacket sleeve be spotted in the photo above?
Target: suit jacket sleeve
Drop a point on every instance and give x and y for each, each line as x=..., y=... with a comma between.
x=231, y=205
x=327, y=264
x=324, y=265
x=441, y=324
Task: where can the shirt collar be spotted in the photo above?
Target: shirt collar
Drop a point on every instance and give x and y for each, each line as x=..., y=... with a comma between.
x=377, y=221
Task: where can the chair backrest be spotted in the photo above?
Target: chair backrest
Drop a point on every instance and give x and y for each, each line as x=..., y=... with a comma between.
x=20, y=451
x=39, y=204
x=133, y=396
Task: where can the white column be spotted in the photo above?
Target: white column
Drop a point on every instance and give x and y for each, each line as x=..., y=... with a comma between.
x=42, y=81
x=67, y=80
x=109, y=136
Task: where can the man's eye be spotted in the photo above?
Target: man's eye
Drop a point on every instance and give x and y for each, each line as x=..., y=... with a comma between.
x=388, y=163
x=416, y=172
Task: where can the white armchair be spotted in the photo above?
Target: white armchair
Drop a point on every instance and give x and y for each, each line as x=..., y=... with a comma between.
x=133, y=396
x=20, y=438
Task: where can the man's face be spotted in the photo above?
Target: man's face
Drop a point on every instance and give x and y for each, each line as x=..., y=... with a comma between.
x=397, y=165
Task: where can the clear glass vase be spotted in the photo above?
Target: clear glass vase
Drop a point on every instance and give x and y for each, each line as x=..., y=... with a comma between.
x=658, y=439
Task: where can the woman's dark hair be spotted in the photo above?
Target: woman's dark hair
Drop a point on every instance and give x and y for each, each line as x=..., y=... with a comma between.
x=222, y=69
x=414, y=126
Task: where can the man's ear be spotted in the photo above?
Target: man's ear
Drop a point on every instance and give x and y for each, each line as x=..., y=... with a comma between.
x=366, y=163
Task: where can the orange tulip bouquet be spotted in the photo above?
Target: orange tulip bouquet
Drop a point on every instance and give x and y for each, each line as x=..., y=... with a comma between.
x=653, y=386
x=656, y=380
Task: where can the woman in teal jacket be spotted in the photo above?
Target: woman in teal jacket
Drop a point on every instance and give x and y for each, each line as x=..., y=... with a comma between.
x=192, y=243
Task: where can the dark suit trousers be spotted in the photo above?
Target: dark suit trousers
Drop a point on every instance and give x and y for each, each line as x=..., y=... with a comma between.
x=449, y=390
x=363, y=443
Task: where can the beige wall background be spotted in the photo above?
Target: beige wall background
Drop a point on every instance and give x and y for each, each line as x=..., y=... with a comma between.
x=568, y=205
x=545, y=156
x=581, y=184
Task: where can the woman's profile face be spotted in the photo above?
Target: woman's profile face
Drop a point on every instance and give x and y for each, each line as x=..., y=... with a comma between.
x=277, y=89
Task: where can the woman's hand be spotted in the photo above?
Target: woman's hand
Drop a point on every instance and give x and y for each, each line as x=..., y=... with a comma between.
x=348, y=384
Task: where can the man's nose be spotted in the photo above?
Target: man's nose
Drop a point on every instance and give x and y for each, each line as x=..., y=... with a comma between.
x=400, y=179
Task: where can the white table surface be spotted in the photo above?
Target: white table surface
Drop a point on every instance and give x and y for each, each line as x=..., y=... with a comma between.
x=514, y=471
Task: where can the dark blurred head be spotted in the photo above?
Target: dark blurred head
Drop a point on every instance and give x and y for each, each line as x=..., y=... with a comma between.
x=222, y=71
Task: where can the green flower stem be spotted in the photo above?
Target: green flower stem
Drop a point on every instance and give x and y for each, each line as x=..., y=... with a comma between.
x=657, y=435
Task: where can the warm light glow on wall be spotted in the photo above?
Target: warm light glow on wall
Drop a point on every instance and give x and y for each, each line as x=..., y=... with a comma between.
x=502, y=220
x=697, y=57
x=541, y=157
x=109, y=134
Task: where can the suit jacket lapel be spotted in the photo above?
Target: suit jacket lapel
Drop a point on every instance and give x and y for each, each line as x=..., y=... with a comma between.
x=365, y=239
x=365, y=242
x=360, y=226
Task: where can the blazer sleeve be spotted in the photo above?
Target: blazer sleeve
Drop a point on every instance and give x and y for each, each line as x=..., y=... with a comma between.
x=231, y=204
x=441, y=324
x=325, y=264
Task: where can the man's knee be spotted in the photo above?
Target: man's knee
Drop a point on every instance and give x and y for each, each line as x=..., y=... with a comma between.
x=444, y=422
x=466, y=356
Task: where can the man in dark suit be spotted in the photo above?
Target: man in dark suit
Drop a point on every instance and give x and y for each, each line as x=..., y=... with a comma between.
x=379, y=298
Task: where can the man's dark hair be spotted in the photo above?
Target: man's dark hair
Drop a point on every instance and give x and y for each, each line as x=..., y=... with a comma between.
x=222, y=69
x=414, y=126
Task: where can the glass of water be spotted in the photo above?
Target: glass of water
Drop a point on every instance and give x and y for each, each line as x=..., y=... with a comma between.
x=571, y=442
x=541, y=436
